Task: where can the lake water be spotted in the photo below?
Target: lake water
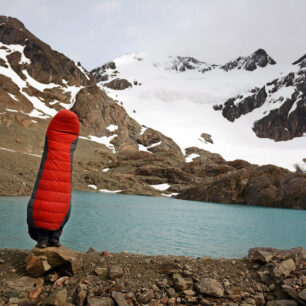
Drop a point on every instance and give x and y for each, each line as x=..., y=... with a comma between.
x=152, y=225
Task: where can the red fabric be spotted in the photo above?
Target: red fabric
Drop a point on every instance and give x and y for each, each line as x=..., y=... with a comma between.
x=52, y=200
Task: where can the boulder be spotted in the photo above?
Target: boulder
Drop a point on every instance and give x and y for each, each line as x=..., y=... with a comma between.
x=181, y=283
x=102, y=301
x=210, y=286
x=282, y=303
x=40, y=261
x=119, y=298
x=57, y=298
x=283, y=269
x=115, y=272
x=262, y=256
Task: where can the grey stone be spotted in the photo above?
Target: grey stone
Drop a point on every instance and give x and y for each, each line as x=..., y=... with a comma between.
x=145, y=297
x=302, y=295
x=181, y=283
x=25, y=283
x=57, y=298
x=290, y=291
x=82, y=294
x=102, y=301
x=282, y=303
x=210, y=286
x=101, y=271
x=262, y=256
x=259, y=299
x=284, y=269
x=115, y=272
x=119, y=298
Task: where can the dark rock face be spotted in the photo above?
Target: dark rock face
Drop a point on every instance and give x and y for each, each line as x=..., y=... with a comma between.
x=259, y=58
x=100, y=72
x=264, y=186
x=184, y=63
x=286, y=116
x=47, y=65
x=118, y=84
x=232, y=110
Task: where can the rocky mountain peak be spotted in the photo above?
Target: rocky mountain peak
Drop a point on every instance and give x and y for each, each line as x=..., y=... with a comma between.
x=301, y=61
x=259, y=58
x=184, y=63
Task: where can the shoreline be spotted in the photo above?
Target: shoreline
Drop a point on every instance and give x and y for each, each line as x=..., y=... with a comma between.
x=265, y=277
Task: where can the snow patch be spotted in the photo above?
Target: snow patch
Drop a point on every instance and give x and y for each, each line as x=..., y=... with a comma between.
x=112, y=127
x=13, y=97
x=161, y=187
x=190, y=157
x=105, y=170
x=109, y=191
x=169, y=195
x=93, y=187
x=103, y=140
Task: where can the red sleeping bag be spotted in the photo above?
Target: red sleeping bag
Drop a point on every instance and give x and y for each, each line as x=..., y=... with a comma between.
x=50, y=204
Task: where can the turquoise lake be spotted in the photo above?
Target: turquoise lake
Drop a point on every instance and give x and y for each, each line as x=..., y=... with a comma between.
x=152, y=225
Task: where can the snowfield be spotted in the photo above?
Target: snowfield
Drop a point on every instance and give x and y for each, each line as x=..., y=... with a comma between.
x=180, y=105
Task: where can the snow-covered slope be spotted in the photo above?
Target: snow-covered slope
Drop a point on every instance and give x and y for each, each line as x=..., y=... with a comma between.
x=180, y=105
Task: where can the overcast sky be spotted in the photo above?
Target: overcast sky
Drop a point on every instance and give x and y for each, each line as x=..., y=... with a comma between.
x=96, y=31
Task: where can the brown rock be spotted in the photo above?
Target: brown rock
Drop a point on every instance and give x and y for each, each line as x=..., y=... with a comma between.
x=210, y=286
x=302, y=295
x=119, y=298
x=102, y=301
x=145, y=297
x=181, y=283
x=284, y=269
x=282, y=303
x=35, y=293
x=262, y=255
x=81, y=294
x=115, y=272
x=25, y=283
x=259, y=299
x=41, y=261
x=101, y=271
x=57, y=298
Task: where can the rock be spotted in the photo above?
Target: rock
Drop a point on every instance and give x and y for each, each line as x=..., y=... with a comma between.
x=262, y=256
x=57, y=298
x=145, y=297
x=106, y=253
x=249, y=301
x=25, y=283
x=14, y=300
x=210, y=286
x=115, y=272
x=118, y=84
x=1, y=261
x=81, y=294
x=284, y=269
x=172, y=301
x=119, y=298
x=91, y=250
x=290, y=292
x=282, y=303
x=101, y=271
x=259, y=299
x=189, y=292
x=302, y=295
x=41, y=261
x=59, y=283
x=103, y=301
x=35, y=293
x=171, y=292
x=181, y=283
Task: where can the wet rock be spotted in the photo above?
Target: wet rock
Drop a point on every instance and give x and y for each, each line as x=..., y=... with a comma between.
x=145, y=297
x=57, y=298
x=284, y=269
x=181, y=283
x=211, y=287
x=115, y=272
x=102, y=301
x=119, y=298
x=282, y=303
x=41, y=261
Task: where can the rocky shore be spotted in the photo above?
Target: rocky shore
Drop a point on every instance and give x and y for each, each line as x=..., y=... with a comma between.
x=59, y=276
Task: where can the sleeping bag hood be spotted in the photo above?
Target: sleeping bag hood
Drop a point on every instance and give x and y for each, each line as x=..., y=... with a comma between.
x=50, y=204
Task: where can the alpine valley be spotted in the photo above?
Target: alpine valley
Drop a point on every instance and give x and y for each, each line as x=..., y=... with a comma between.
x=173, y=126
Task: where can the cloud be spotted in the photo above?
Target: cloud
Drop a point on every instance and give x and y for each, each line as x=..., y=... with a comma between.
x=107, y=7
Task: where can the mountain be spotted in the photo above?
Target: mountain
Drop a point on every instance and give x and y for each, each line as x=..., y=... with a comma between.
x=145, y=129
x=281, y=106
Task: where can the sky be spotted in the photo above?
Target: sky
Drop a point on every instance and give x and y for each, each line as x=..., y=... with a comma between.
x=216, y=31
